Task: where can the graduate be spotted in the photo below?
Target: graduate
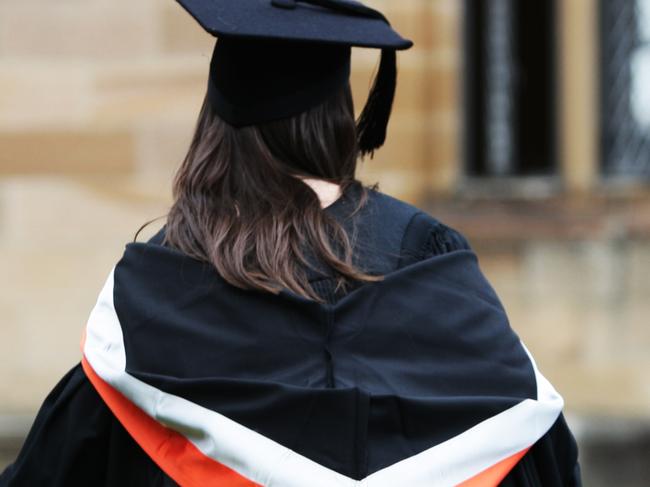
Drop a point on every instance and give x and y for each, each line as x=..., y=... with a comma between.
x=288, y=326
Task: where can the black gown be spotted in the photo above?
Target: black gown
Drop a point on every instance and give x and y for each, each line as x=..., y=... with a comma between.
x=77, y=440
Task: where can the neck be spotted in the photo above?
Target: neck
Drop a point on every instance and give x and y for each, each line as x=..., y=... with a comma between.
x=327, y=192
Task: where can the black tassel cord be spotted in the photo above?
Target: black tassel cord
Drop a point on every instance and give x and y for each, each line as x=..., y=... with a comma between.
x=373, y=121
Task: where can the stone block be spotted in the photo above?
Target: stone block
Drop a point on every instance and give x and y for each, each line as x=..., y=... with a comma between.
x=445, y=87
x=79, y=30
x=74, y=151
x=442, y=162
x=404, y=148
x=127, y=94
x=42, y=94
x=637, y=268
x=431, y=25
x=161, y=148
x=181, y=33
x=48, y=211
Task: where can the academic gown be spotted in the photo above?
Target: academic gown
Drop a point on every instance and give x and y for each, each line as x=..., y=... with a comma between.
x=415, y=380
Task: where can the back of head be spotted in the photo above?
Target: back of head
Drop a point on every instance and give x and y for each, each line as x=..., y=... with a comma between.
x=240, y=203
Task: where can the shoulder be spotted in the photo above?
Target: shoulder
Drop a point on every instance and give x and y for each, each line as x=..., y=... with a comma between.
x=438, y=237
x=159, y=237
x=423, y=234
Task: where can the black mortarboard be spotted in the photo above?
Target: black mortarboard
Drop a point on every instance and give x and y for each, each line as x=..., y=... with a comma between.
x=276, y=58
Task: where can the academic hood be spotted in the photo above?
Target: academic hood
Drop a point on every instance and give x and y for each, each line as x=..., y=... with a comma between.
x=415, y=380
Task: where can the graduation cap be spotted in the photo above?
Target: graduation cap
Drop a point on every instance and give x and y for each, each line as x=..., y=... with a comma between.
x=274, y=59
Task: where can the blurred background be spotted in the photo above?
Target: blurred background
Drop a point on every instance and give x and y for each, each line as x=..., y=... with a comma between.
x=523, y=124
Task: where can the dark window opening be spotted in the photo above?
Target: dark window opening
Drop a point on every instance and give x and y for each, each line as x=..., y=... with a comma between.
x=509, y=88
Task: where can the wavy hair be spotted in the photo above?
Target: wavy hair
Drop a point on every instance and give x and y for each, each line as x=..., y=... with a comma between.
x=241, y=205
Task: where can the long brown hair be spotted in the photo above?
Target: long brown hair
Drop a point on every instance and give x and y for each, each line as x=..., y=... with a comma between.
x=239, y=202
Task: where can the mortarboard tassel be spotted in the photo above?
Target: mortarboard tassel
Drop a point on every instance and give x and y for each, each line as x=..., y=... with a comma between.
x=373, y=121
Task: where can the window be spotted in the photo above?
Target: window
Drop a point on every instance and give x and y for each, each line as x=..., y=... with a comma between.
x=625, y=88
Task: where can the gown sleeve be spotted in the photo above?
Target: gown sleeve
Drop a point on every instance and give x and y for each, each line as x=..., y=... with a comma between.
x=552, y=460
x=425, y=236
x=443, y=238
x=67, y=442
x=76, y=440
